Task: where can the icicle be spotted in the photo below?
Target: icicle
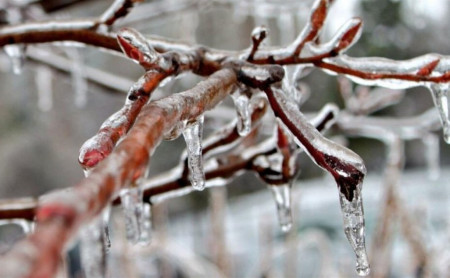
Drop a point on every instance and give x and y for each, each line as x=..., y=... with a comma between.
x=282, y=195
x=93, y=250
x=442, y=101
x=137, y=215
x=16, y=54
x=43, y=80
x=242, y=104
x=105, y=226
x=87, y=172
x=353, y=215
x=431, y=142
x=193, y=136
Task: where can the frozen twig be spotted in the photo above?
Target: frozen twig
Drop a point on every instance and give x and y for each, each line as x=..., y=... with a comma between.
x=323, y=151
x=59, y=215
x=367, y=70
x=119, y=8
x=159, y=67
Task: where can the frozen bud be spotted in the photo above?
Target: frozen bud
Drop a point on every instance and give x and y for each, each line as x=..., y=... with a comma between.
x=318, y=14
x=136, y=47
x=259, y=33
x=428, y=68
x=348, y=34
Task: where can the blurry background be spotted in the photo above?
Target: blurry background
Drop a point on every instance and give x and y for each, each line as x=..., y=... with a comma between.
x=63, y=95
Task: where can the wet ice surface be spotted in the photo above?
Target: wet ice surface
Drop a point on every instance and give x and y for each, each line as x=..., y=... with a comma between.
x=176, y=131
x=193, y=134
x=137, y=215
x=282, y=196
x=242, y=103
x=353, y=215
x=350, y=32
x=93, y=250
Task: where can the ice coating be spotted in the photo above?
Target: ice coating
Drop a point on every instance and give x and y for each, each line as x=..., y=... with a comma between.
x=377, y=71
x=345, y=37
x=313, y=27
x=136, y=47
x=315, y=144
x=137, y=215
x=259, y=33
x=440, y=94
x=345, y=166
x=105, y=228
x=242, y=104
x=353, y=215
x=193, y=134
x=93, y=250
x=282, y=196
x=16, y=54
x=176, y=131
x=299, y=91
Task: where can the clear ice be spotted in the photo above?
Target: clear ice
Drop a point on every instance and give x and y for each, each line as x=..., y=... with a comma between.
x=176, y=131
x=105, y=222
x=193, y=136
x=242, y=104
x=343, y=163
x=137, y=215
x=442, y=101
x=282, y=196
x=353, y=215
x=16, y=54
x=93, y=250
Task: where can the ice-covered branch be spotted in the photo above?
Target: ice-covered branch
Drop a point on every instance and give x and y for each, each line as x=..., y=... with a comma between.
x=140, y=125
x=119, y=9
x=60, y=214
x=329, y=56
x=22, y=208
x=172, y=183
x=159, y=67
x=345, y=166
